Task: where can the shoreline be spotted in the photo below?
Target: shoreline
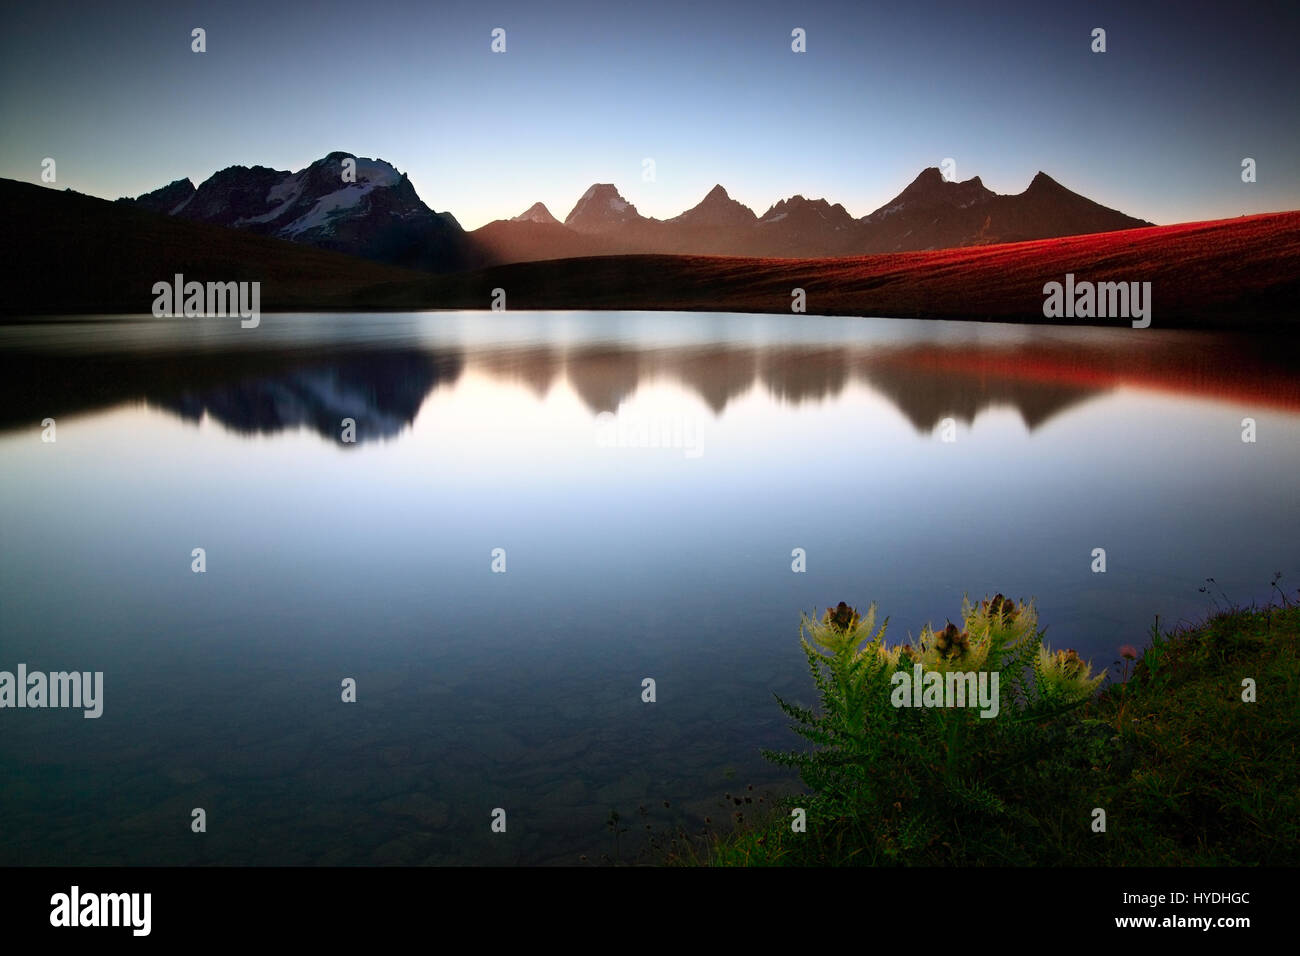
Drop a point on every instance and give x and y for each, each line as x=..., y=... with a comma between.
x=1150, y=736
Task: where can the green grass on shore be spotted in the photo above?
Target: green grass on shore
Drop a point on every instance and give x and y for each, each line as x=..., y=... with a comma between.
x=1187, y=772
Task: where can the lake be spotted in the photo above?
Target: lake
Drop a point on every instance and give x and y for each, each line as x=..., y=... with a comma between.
x=640, y=481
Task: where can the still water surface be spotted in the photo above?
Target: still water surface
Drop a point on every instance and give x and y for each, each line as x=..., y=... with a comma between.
x=372, y=559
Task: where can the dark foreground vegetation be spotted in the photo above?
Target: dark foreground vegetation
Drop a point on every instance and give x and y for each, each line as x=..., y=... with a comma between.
x=1192, y=758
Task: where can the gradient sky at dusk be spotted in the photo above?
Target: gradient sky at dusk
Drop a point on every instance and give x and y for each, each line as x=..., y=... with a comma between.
x=1156, y=127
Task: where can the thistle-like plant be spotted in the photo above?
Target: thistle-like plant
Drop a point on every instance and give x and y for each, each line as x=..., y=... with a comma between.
x=850, y=667
x=905, y=777
x=847, y=660
x=1062, y=676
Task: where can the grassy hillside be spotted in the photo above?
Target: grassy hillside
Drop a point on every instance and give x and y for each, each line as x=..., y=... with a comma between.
x=1238, y=273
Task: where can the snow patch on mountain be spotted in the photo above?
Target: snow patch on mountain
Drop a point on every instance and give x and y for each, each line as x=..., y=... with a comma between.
x=377, y=172
x=328, y=206
x=281, y=197
x=287, y=190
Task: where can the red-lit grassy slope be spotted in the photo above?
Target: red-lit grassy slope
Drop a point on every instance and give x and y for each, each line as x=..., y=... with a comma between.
x=1229, y=273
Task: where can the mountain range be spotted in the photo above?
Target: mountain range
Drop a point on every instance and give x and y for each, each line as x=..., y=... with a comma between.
x=66, y=253
x=380, y=217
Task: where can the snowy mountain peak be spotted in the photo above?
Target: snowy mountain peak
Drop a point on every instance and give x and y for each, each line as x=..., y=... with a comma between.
x=342, y=201
x=373, y=171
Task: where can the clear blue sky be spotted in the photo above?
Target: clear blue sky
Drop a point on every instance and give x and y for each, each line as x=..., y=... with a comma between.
x=1157, y=126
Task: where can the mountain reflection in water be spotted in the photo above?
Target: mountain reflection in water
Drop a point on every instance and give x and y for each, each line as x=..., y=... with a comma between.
x=265, y=390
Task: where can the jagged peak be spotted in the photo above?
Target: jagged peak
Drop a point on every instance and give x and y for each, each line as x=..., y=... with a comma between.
x=167, y=198
x=1043, y=181
x=931, y=181
x=604, y=199
x=597, y=189
x=537, y=212
x=800, y=203
x=930, y=188
x=799, y=199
